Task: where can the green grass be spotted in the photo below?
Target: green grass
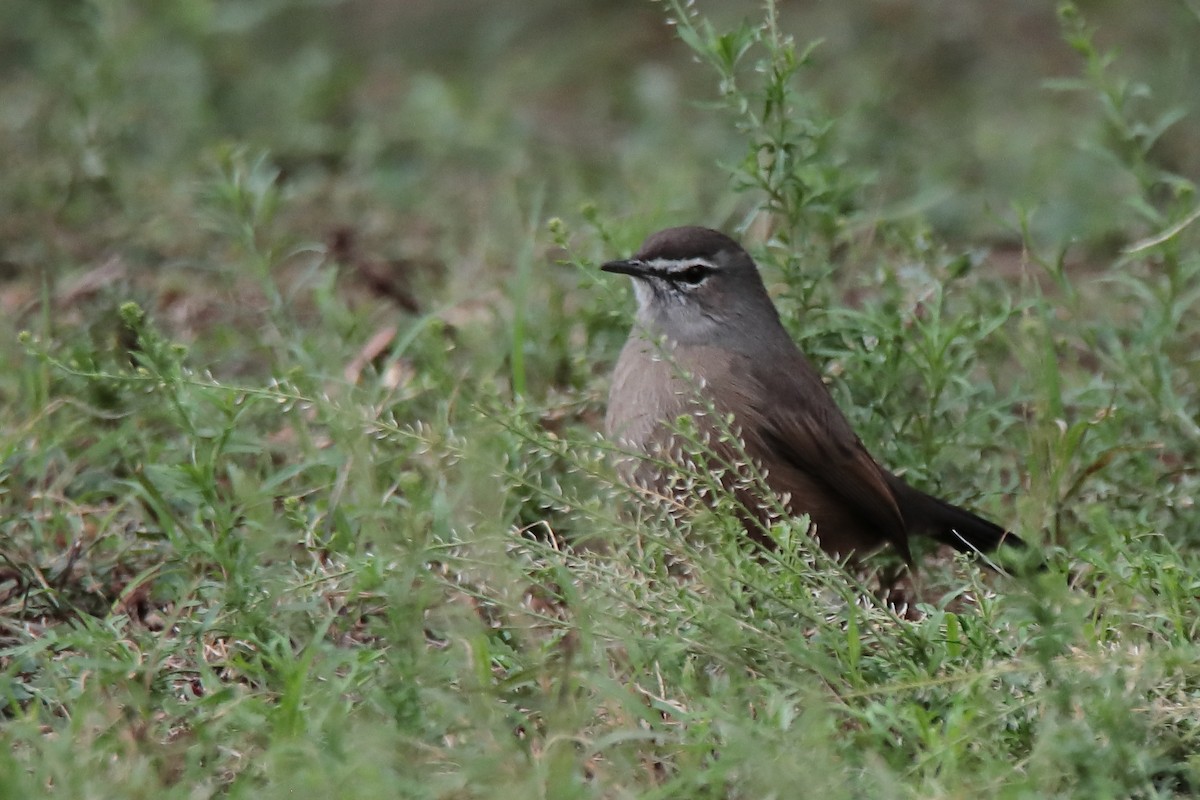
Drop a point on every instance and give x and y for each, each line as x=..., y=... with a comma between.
x=268, y=530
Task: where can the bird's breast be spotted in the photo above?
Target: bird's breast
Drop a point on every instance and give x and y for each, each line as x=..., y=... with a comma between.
x=648, y=389
x=654, y=384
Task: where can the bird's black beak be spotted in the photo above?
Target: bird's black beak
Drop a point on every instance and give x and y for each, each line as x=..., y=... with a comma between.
x=627, y=266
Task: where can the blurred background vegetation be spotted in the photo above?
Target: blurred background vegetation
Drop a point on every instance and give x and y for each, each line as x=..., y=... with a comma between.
x=392, y=115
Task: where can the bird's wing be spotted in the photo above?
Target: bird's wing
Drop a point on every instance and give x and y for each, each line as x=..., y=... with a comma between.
x=799, y=421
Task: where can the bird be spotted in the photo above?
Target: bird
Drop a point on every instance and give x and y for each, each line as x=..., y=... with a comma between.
x=708, y=345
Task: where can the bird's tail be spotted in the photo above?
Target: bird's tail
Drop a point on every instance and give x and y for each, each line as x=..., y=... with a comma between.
x=966, y=531
x=947, y=523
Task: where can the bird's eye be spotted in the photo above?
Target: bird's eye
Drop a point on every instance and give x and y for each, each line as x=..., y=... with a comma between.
x=694, y=274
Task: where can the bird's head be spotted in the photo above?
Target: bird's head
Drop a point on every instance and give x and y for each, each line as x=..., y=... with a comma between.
x=696, y=286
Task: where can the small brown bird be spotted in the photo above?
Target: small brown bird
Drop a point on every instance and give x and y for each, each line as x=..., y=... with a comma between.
x=707, y=336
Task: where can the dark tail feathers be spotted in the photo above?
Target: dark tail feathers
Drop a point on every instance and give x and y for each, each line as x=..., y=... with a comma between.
x=947, y=523
x=964, y=530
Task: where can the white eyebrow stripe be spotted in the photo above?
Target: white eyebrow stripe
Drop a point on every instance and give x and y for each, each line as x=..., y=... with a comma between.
x=670, y=265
